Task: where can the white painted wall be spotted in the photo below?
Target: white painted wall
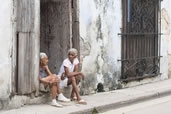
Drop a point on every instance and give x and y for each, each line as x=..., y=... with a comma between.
x=100, y=51
x=6, y=48
x=165, y=38
x=8, y=54
x=167, y=29
x=99, y=56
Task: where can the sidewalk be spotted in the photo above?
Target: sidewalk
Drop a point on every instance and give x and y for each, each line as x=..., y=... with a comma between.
x=102, y=101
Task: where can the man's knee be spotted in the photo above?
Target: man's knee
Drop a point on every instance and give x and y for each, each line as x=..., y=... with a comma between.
x=54, y=75
x=56, y=79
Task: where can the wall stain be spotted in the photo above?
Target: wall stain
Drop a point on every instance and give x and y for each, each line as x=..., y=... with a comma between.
x=88, y=85
x=105, y=69
x=85, y=47
x=99, y=28
x=102, y=4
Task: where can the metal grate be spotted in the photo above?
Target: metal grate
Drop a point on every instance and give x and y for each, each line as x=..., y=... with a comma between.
x=140, y=39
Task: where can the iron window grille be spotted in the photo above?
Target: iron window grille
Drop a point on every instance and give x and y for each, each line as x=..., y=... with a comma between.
x=141, y=39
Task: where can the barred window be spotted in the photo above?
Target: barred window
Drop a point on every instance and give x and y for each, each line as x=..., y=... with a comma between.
x=140, y=39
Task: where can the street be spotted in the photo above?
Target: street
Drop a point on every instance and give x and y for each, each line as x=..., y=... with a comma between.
x=155, y=106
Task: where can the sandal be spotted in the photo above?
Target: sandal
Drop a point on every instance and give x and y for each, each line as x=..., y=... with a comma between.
x=73, y=98
x=82, y=102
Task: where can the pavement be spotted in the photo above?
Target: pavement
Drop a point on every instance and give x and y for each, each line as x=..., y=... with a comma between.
x=102, y=102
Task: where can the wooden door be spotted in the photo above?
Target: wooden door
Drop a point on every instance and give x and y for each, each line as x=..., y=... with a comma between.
x=28, y=48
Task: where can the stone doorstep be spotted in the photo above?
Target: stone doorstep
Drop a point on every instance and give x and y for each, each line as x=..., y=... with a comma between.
x=130, y=100
x=66, y=90
x=44, y=97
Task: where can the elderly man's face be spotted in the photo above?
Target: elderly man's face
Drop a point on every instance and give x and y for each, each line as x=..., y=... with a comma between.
x=71, y=56
x=44, y=60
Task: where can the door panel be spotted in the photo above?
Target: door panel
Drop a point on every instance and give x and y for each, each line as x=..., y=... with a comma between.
x=28, y=48
x=25, y=15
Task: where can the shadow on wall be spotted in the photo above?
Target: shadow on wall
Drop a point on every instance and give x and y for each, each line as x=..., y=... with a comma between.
x=111, y=81
x=100, y=87
x=88, y=85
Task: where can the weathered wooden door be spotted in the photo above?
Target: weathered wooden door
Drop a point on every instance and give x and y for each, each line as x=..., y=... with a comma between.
x=27, y=48
x=57, y=31
x=140, y=39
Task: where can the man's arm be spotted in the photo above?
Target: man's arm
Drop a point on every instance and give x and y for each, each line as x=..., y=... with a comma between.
x=48, y=70
x=75, y=73
x=70, y=74
x=76, y=69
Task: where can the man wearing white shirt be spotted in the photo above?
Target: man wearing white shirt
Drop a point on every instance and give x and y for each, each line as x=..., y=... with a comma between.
x=69, y=74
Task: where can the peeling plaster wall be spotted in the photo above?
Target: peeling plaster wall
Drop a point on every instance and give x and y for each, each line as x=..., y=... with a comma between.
x=100, y=23
x=165, y=39
x=166, y=27
x=6, y=49
x=8, y=55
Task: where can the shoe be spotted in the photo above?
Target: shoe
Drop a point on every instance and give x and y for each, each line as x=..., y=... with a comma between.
x=62, y=98
x=73, y=98
x=54, y=103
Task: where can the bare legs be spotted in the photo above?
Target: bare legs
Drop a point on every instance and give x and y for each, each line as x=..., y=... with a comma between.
x=74, y=81
x=54, y=84
x=53, y=90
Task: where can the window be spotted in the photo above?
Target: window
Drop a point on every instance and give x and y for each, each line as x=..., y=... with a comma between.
x=140, y=39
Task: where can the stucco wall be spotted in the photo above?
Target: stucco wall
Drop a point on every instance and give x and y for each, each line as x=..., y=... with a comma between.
x=165, y=38
x=8, y=54
x=166, y=17
x=6, y=49
x=100, y=23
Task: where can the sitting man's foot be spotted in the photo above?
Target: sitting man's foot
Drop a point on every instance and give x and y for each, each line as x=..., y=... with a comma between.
x=61, y=97
x=73, y=98
x=82, y=102
x=54, y=103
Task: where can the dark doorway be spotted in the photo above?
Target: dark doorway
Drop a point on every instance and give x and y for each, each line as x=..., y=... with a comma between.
x=59, y=30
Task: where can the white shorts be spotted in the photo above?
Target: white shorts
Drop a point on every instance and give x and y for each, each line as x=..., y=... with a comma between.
x=64, y=83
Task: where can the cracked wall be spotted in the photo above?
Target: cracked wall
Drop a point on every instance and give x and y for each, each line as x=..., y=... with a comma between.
x=6, y=49
x=100, y=44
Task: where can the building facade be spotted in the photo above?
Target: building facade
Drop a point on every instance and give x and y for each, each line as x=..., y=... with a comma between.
x=121, y=43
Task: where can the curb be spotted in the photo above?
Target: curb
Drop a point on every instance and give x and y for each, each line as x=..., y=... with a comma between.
x=129, y=101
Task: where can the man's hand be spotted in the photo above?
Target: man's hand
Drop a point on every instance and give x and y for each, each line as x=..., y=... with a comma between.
x=82, y=75
x=63, y=76
x=50, y=82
